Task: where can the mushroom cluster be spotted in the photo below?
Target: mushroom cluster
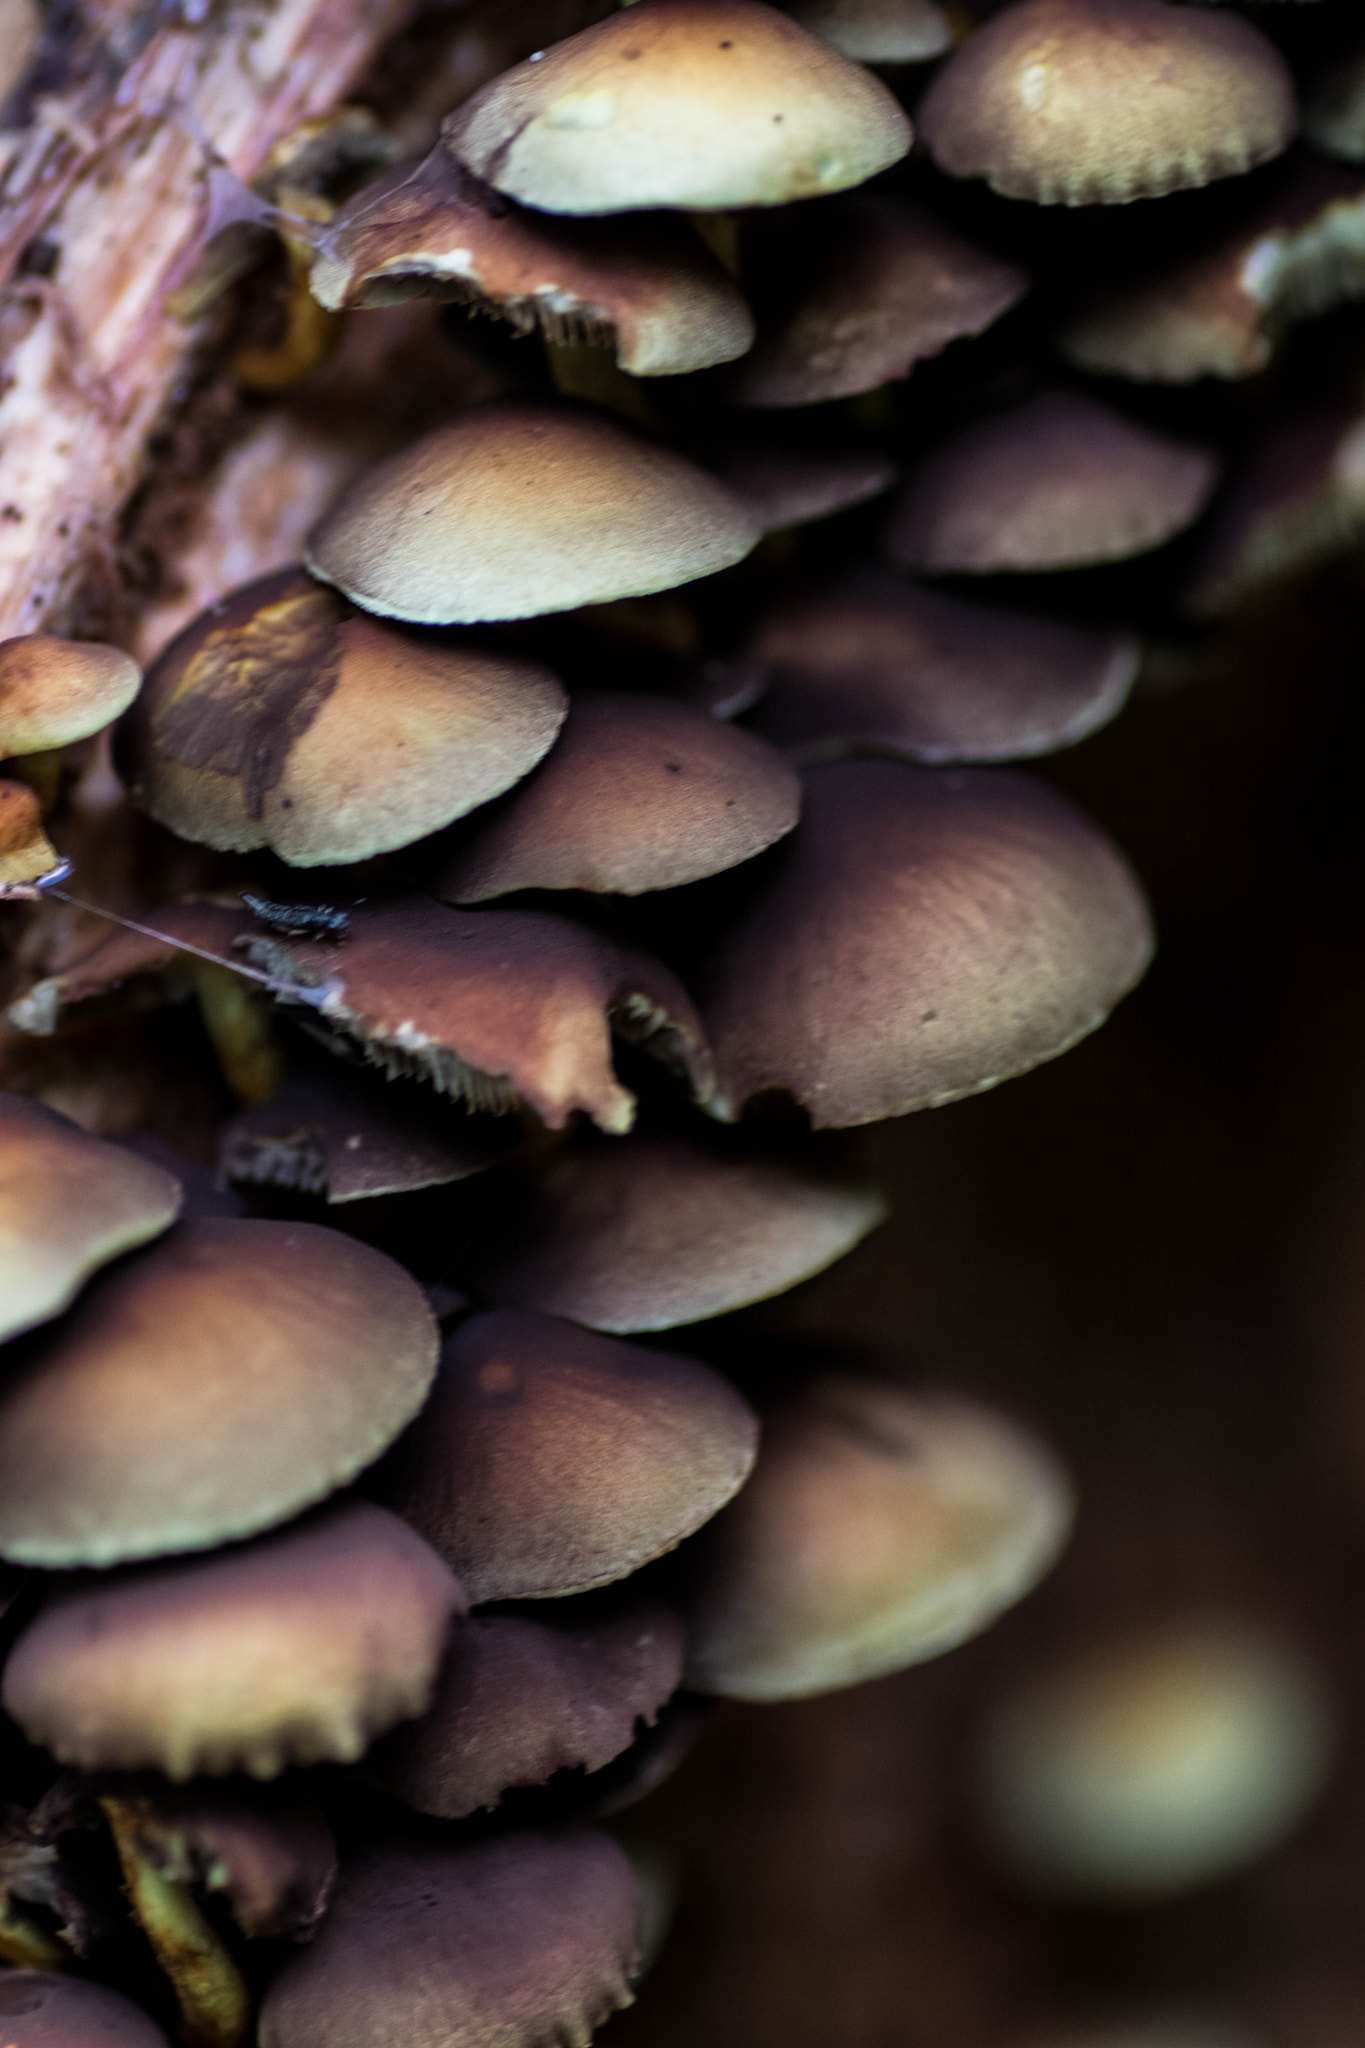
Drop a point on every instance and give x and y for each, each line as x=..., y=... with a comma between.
x=520, y=895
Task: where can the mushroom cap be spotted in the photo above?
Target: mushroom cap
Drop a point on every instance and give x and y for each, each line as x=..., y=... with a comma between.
x=514, y=1943
x=271, y=1858
x=211, y=1386
x=785, y=487
x=550, y=1460
x=638, y=793
x=1141, y=1765
x=870, y=663
x=702, y=104
x=283, y=717
x=26, y=852
x=55, y=691
x=877, y=31
x=648, y=1233
x=42, y=2009
x=881, y=1526
x=862, y=290
x=1220, y=311
x=1058, y=482
x=519, y=508
x=651, y=288
x=323, y=1134
x=68, y=1204
x=124, y=955
x=926, y=934
x=521, y=1697
x=496, y=1007
x=1098, y=102
x=298, y=1648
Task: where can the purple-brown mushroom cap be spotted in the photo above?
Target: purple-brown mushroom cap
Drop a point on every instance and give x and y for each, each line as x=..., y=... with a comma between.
x=43, y=2009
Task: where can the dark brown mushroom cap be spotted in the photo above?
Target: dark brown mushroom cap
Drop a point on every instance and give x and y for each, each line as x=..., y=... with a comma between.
x=651, y=289
x=638, y=793
x=519, y=508
x=211, y=1386
x=282, y=717
x=877, y=31
x=298, y=1648
x=1058, y=482
x=786, y=487
x=26, y=852
x=648, y=1233
x=1220, y=312
x=880, y=1527
x=42, y=2009
x=323, y=1134
x=869, y=663
x=55, y=691
x=1334, y=118
x=550, y=1460
x=68, y=1204
x=521, y=1697
x=497, y=1007
x=1296, y=498
x=927, y=933
x=272, y=1859
x=1097, y=102
x=524, y=1941
x=701, y=104
x=862, y=291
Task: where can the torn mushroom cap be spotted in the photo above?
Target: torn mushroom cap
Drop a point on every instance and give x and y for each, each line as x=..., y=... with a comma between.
x=298, y=1648
x=211, y=1386
x=649, y=289
x=1152, y=1760
x=42, y=2009
x=124, y=956
x=871, y=664
x=26, y=852
x=55, y=691
x=521, y=1697
x=648, y=1233
x=1220, y=312
x=878, y=31
x=880, y=1527
x=68, y=1204
x=519, y=508
x=638, y=793
x=284, y=718
x=521, y=1941
x=1098, y=102
x=786, y=487
x=859, y=292
x=1058, y=482
x=551, y=1460
x=926, y=933
x=496, y=1008
x=272, y=1859
x=703, y=104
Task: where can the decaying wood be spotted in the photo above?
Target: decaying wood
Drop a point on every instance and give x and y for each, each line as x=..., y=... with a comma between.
x=104, y=202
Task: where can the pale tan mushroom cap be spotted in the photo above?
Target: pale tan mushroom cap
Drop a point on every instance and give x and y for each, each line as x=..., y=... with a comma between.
x=1059, y=482
x=1150, y=1761
x=638, y=793
x=298, y=1648
x=42, y=2009
x=521, y=1942
x=878, y=31
x=648, y=1233
x=517, y=509
x=649, y=288
x=521, y=1697
x=927, y=934
x=703, y=104
x=551, y=1460
x=215, y=1384
x=1098, y=102
x=55, y=691
x=880, y=1527
x=68, y=1204
x=282, y=718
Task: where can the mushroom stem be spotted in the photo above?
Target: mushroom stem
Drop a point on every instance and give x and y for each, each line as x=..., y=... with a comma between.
x=43, y=774
x=582, y=369
x=720, y=232
x=238, y=1022
x=24, y=1944
x=215, y=2006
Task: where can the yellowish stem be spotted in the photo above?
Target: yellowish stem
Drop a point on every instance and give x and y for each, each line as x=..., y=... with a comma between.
x=582, y=370
x=43, y=774
x=215, y=2005
x=242, y=1031
x=25, y=1944
x=720, y=232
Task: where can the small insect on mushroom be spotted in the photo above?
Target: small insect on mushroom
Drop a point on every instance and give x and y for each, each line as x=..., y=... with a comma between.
x=299, y=920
